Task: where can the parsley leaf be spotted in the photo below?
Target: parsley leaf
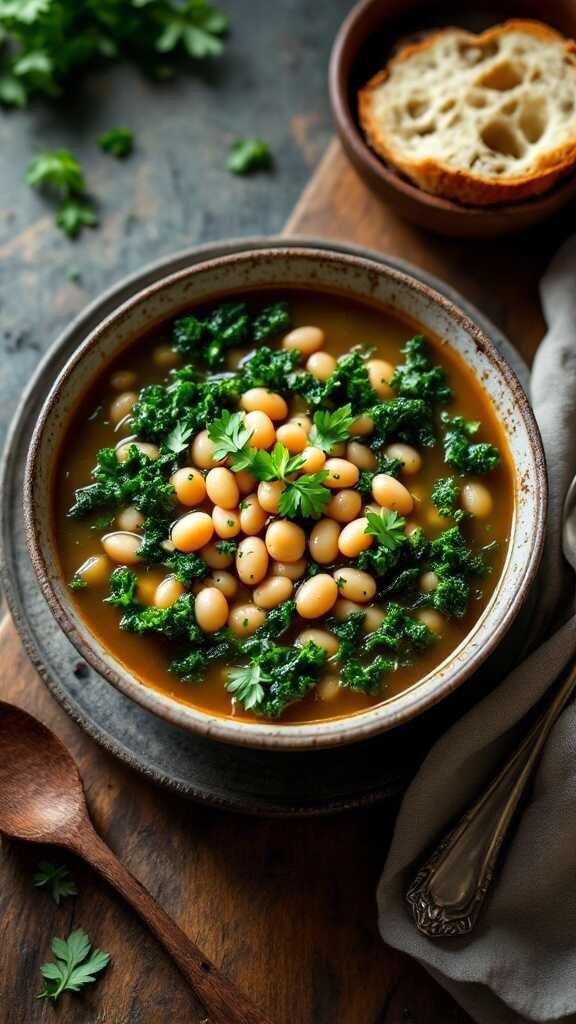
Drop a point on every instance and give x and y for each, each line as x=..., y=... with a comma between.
x=57, y=881
x=387, y=527
x=248, y=155
x=331, y=428
x=47, y=41
x=230, y=437
x=119, y=142
x=76, y=964
x=58, y=171
x=246, y=685
x=74, y=214
x=306, y=497
x=178, y=438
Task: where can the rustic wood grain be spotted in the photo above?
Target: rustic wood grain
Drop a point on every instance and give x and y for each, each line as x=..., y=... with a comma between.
x=286, y=908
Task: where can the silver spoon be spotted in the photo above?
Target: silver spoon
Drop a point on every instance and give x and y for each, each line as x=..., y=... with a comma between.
x=448, y=893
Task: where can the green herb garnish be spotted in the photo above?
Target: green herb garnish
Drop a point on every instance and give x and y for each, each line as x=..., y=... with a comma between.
x=56, y=880
x=460, y=449
x=76, y=964
x=331, y=428
x=248, y=155
x=119, y=142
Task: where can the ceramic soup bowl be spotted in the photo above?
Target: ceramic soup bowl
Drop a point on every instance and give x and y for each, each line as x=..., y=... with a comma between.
x=360, y=279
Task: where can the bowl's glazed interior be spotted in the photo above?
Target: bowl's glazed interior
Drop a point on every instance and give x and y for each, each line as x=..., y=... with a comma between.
x=362, y=280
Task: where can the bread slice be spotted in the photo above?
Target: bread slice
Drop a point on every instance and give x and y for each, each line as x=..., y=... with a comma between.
x=482, y=119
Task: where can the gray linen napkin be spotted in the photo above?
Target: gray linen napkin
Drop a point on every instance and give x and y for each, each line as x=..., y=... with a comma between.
x=520, y=962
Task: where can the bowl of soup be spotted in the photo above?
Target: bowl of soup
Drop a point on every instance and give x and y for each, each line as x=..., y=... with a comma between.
x=286, y=499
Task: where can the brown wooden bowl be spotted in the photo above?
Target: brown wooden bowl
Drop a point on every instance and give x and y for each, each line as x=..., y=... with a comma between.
x=366, y=40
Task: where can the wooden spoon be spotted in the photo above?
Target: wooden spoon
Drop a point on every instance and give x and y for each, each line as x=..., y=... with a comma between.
x=42, y=801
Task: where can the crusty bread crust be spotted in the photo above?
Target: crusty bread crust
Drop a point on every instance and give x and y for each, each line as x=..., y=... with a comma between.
x=441, y=176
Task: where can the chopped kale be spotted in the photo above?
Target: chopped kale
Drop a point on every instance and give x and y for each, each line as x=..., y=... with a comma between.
x=419, y=377
x=445, y=495
x=77, y=583
x=188, y=402
x=269, y=369
x=286, y=674
x=122, y=583
x=403, y=419
x=400, y=632
x=209, y=339
x=386, y=465
x=139, y=480
x=271, y=320
x=226, y=547
x=212, y=648
x=186, y=567
x=462, y=452
x=348, y=385
x=366, y=678
x=349, y=632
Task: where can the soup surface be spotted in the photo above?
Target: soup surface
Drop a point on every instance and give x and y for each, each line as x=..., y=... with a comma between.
x=289, y=507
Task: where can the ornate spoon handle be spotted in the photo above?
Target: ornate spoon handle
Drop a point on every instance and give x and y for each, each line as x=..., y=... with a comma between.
x=448, y=892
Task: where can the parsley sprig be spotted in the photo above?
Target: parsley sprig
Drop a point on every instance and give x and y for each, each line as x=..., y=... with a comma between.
x=305, y=496
x=245, y=684
x=48, y=41
x=56, y=880
x=59, y=174
x=387, y=527
x=76, y=964
x=331, y=428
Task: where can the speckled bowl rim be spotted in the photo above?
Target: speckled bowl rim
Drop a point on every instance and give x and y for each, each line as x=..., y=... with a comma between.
x=332, y=732
x=353, y=140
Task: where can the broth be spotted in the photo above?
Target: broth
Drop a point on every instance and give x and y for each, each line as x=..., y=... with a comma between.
x=346, y=323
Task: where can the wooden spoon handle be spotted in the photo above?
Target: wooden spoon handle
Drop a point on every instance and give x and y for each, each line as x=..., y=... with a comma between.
x=225, y=1003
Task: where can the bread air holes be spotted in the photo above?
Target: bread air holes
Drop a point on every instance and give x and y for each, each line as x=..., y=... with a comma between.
x=532, y=120
x=476, y=99
x=500, y=138
x=502, y=77
x=417, y=106
x=472, y=54
x=448, y=105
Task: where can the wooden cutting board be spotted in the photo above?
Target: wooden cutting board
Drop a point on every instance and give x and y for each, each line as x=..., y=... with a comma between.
x=287, y=908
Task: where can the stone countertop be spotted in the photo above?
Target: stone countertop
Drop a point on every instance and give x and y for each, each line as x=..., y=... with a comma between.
x=174, y=191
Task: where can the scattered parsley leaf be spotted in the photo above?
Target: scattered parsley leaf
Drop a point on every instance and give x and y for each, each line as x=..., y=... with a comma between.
x=48, y=41
x=57, y=881
x=74, y=214
x=76, y=964
x=331, y=428
x=248, y=155
x=119, y=142
x=57, y=171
